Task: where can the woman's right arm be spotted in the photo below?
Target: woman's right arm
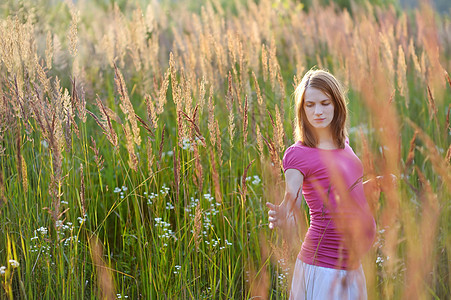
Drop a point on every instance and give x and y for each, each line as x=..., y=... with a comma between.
x=279, y=214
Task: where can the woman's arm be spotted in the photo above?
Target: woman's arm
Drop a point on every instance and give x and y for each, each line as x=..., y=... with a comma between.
x=283, y=215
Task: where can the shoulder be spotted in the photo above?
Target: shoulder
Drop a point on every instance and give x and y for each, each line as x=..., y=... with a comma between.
x=296, y=149
x=298, y=156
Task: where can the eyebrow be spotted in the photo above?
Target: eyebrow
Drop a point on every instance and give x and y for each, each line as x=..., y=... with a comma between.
x=310, y=101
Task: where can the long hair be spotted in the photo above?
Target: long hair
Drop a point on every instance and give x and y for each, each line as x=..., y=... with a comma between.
x=329, y=85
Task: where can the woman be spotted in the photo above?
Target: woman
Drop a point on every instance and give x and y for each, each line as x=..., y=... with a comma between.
x=323, y=165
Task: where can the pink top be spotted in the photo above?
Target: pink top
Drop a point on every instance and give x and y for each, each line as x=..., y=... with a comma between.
x=331, y=177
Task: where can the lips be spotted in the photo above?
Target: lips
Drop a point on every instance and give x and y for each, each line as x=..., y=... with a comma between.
x=319, y=120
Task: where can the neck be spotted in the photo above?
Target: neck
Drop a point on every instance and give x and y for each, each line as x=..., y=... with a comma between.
x=325, y=139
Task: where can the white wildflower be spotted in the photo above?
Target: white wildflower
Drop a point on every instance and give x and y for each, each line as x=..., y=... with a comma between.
x=13, y=263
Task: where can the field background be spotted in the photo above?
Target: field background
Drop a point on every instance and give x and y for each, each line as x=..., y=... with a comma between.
x=140, y=140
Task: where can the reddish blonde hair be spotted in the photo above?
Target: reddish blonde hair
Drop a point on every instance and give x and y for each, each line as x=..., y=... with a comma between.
x=329, y=85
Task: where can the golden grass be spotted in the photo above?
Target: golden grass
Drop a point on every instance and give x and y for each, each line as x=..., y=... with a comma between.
x=239, y=67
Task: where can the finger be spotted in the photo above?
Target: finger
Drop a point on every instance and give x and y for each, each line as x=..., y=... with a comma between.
x=272, y=213
x=272, y=220
x=272, y=225
x=270, y=205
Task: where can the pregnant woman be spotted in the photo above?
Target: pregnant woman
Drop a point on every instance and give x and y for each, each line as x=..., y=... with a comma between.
x=324, y=167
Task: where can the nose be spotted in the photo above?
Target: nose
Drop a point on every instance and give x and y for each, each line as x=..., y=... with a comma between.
x=318, y=110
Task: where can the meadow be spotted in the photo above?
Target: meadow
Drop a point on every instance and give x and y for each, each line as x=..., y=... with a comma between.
x=140, y=141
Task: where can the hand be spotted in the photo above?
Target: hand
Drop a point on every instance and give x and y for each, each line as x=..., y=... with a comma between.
x=272, y=214
x=275, y=216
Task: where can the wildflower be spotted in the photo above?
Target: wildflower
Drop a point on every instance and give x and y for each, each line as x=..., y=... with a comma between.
x=13, y=263
x=256, y=180
x=117, y=190
x=2, y=270
x=81, y=220
x=42, y=230
x=177, y=269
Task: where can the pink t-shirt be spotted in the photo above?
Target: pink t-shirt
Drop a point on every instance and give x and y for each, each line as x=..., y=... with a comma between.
x=333, y=190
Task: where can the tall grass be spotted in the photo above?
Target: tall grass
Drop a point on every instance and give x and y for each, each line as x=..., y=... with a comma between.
x=138, y=144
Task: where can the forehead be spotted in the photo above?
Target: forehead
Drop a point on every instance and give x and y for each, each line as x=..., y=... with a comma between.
x=314, y=94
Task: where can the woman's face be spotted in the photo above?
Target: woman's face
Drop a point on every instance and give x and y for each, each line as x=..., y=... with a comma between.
x=319, y=108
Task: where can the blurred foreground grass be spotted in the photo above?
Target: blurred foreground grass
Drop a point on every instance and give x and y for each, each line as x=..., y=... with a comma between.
x=139, y=144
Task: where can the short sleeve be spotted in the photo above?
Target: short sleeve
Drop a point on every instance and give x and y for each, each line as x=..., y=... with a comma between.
x=296, y=158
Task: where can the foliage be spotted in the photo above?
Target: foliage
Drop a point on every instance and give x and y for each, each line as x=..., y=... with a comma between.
x=139, y=143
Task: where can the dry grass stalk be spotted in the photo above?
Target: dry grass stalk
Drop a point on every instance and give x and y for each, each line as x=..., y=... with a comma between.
x=195, y=131
x=150, y=156
x=126, y=106
x=19, y=157
x=197, y=226
x=146, y=127
x=176, y=94
x=105, y=282
x=281, y=89
x=448, y=156
x=420, y=259
x=231, y=127
x=24, y=175
x=49, y=50
x=82, y=190
x=202, y=92
x=72, y=35
x=42, y=76
x=160, y=149
x=3, y=199
x=177, y=168
x=257, y=89
x=411, y=154
x=215, y=177
x=211, y=119
x=163, y=90
x=151, y=113
x=97, y=156
x=401, y=76
x=280, y=132
x=415, y=60
x=431, y=104
x=245, y=120
x=243, y=188
x=447, y=78
x=274, y=67
x=264, y=63
x=368, y=166
x=448, y=127
x=79, y=103
x=259, y=141
x=105, y=123
x=387, y=55
x=438, y=162
x=68, y=116
x=133, y=160
x=218, y=143
x=273, y=154
x=198, y=171
x=259, y=282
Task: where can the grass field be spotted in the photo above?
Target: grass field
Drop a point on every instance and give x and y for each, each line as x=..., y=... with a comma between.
x=139, y=143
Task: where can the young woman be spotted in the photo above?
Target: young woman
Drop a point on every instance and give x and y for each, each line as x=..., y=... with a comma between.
x=324, y=167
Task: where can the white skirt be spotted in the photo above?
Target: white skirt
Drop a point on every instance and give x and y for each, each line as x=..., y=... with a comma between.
x=313, y=282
